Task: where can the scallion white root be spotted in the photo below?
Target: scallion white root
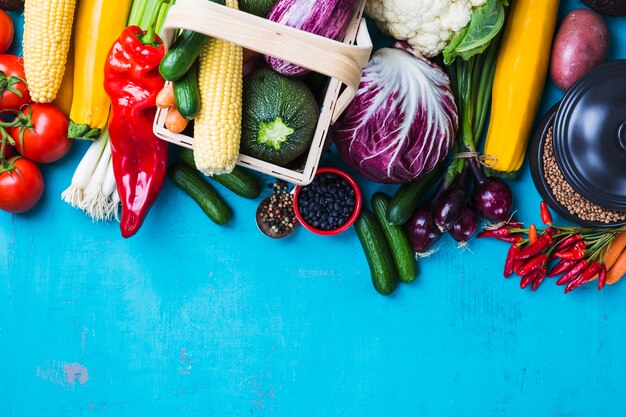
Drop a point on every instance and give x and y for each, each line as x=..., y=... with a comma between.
x=74, y=193
x=93, y=187
x=95, y=203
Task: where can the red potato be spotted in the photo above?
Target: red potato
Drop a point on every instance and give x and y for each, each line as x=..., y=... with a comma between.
x=580, y=45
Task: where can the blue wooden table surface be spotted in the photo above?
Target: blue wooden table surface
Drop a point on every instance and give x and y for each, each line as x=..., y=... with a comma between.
x=190, y=319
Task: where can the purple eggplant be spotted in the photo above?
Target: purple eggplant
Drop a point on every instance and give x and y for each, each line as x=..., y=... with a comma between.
x=465, y=226
x=492, y=198
x=422, y=230
x=328, y=18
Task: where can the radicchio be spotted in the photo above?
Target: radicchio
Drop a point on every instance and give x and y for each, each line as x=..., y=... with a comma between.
x=328, y=18
x=402, y=121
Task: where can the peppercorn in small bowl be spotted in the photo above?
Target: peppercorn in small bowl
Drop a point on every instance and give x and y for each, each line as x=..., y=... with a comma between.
x=330, y=204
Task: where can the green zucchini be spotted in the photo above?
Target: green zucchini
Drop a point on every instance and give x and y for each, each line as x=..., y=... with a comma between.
x=240, y=181
x=407, y=198
x=401, y=250
x=187, y=93
x=379, y=259
x=191, y=182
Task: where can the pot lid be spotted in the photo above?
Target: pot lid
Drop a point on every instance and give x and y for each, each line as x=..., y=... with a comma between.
x=590, y=136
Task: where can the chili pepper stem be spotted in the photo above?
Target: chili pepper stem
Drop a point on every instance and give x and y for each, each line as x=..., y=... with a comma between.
x=149, y=38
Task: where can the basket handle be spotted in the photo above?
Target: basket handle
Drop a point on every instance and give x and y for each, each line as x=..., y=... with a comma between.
x=332, y=58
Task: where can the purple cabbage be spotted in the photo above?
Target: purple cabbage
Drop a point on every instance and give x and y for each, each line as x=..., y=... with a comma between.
x=328, y=18
x=402, y=121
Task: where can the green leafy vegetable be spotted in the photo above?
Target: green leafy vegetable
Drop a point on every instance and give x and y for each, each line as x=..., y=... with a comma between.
x=485, y=24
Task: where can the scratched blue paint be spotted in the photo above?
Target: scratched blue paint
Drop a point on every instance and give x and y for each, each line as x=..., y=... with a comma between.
x=189, y=319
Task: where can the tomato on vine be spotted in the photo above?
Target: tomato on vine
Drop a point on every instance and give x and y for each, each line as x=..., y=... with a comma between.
x=13, y=90
x=21, y=185
x=41, y=134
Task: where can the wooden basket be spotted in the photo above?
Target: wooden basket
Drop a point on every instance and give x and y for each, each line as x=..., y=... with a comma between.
x=341, y=61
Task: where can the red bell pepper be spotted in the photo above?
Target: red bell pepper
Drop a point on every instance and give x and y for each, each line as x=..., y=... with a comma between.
x=132, y=81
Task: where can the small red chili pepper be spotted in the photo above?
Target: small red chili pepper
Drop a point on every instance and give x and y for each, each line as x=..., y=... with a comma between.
x=510, y=260
x=567, y=242
x=527, y=279
x=533, y=264
x=551, y=231
x=562, y=267
x=511, y=239
x=585, y=276
x=532, y=234
x=572, y=254
x=497, y=233
x=543, y=242
x=541, y=275
x=602, y=278
x=546, y=216
x=572, y=274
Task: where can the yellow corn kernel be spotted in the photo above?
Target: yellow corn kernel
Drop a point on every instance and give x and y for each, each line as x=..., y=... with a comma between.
x=217, y=128
x=47, y=34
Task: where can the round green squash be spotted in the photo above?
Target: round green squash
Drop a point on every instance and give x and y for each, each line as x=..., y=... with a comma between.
x=280, y=116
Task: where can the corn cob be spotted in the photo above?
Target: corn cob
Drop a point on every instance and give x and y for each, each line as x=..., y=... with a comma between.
x=47, y=33
x=217, y=130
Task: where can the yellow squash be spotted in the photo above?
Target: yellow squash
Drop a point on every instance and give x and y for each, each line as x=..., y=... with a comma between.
x=98, y=24
x=518, y=83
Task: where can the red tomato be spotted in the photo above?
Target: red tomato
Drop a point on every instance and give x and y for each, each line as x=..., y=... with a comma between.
x=12, y=66
x=6, y=31
x=21, y=187
x=47, y=141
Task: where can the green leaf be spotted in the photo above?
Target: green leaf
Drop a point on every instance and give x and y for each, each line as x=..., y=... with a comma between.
x=485, y=24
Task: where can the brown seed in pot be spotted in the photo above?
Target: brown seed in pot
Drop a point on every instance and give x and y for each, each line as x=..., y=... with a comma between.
x=567, y=196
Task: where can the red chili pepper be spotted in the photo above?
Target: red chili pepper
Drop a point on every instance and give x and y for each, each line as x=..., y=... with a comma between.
x=511, y=239
x=573, y=273
x=543, y=242
x=527, y=279
x=497, y=233
x=533, y=264
x=539, y=279
x=532, y=234
x=572, y=254
x=562, y=267
x=567, y=242
x=602, y=278
x=585, y=276
x=551, y=231
x=510, y=260
x=132, y=81
x=546, y=216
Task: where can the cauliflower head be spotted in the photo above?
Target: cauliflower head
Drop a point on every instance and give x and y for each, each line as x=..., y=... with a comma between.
x=427, y=25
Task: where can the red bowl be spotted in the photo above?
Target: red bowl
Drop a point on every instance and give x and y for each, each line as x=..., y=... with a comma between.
x=355, y=213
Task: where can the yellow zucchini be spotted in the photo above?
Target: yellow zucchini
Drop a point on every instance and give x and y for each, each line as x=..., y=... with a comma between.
x=98, y=24
x=521, y=71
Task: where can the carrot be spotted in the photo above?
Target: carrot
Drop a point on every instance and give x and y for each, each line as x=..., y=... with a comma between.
x=165, y=98
x=175, y=122
x=618, y=269
x=615, y=249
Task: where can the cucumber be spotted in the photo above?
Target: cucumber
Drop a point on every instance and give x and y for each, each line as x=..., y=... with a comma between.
x=379, y=259
x=240, y=181
x=401, y=250
x=191, y=182
x=407, y=198
x=187, y=93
